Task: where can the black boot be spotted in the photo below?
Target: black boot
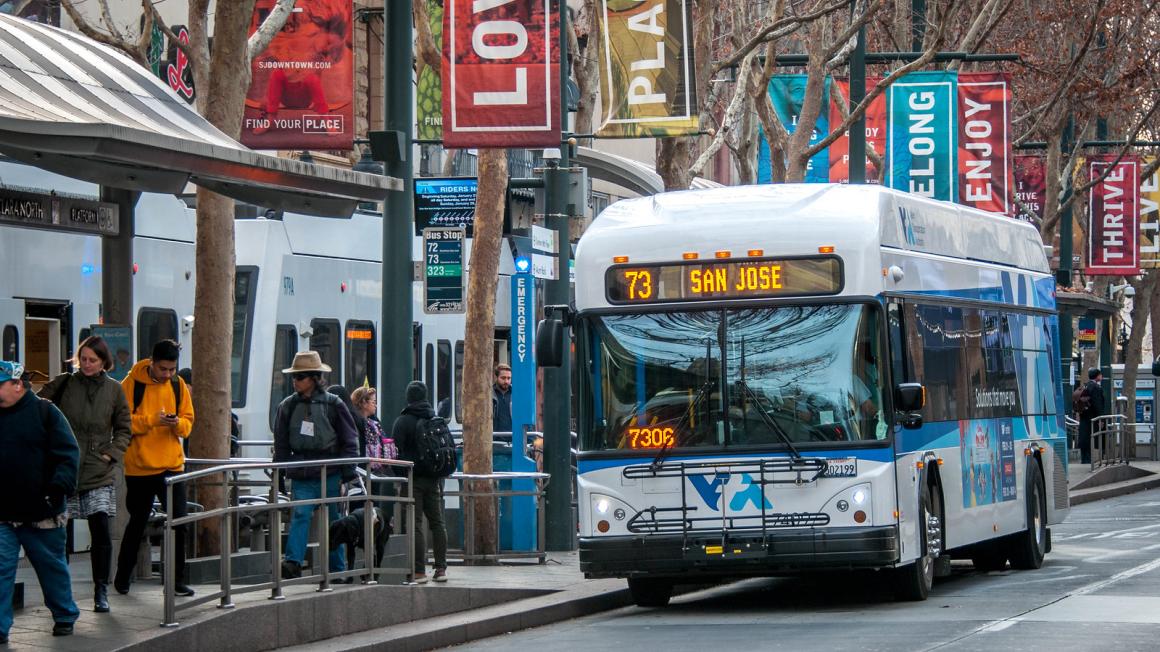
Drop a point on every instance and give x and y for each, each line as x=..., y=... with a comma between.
x=102, y=558
x=101, y=597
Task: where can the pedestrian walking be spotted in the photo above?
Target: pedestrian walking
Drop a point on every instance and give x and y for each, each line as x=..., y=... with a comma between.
x=162, y=417
x=426, y=490
x=38, y=470
x=98, y=413
x=312, y=424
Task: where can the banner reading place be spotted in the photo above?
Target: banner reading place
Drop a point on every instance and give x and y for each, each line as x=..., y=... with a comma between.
x=646, y=69
x=1113, y=217
x=501, y=86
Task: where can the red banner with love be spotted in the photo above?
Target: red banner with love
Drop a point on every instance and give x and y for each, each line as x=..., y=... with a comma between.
x=985, y=174
x=501, y=82
x=1113, y=215
x=875, y=132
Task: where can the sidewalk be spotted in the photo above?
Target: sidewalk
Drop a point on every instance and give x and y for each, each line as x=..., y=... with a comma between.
x=477, y=602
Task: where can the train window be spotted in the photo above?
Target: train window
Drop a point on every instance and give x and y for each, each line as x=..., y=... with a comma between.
x=360, y=354
x=417, y=354
x=459, y=381
x=245, y=292
x=443, y=382
x=11, y=343
x=154, y=325
x=327, y=339
x=429, y=374
x=285, y=346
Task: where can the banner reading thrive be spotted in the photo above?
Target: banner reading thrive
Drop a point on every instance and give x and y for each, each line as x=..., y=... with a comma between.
x=875, y=132
x=1113, y=217
x=985, y=175
x=1149, y=217
x=646, y=69
x=302, y=86
x=787, y=93
x=920, y=153
x=501, y=83
x=1030, y=187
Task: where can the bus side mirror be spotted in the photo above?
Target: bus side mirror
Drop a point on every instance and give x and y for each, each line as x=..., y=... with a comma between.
x=550, y=343
x=909, y=397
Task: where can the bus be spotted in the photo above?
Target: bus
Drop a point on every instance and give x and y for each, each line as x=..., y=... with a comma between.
x=789, y=378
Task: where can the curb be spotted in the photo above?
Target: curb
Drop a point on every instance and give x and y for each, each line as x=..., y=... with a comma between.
x=1112, y=490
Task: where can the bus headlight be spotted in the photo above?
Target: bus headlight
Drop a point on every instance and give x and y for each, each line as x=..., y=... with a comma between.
x=609, y=514
x=860, y=496
x=602, y=506
x=851, y=506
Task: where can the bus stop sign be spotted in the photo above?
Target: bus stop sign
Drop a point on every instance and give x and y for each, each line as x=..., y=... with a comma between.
x=443, y=270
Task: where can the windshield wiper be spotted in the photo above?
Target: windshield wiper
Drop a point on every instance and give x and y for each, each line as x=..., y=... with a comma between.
x=768, y=420
x=678, y=429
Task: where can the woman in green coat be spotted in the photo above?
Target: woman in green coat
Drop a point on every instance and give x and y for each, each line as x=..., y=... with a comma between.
x=96, y=408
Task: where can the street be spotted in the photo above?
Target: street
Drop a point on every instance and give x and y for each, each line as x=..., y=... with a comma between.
x=1098, y=589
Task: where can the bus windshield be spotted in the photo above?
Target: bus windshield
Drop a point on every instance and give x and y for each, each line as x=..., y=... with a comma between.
x=732, y=377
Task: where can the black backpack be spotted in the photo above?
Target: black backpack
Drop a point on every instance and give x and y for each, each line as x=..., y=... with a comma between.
x=435, y=454
x=1081, y=400
x=139, y=393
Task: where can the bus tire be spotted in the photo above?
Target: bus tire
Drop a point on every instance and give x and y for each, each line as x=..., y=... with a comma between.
x=913, y=581
x=650, y=592
x=1027, y=548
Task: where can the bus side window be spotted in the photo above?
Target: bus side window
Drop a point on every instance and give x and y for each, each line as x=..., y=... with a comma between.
x=458, y=393
x=443, y=381
x=429, y=367
x=360, y=354
x=327, y=339
x=285, y=346
x=11, y=343
x=897, y=345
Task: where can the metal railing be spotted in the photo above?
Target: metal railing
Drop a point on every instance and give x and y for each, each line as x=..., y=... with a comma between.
x=1108, y=440
x=227, y=472
x=475, y=486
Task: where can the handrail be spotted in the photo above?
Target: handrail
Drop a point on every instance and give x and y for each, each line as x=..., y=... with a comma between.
x=1108, y=431
x=471, y=490
x=227, y=470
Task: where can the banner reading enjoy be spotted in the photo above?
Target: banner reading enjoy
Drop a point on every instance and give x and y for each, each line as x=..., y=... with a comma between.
x=787, y=93
x=920, y=153
x=985, y=174
x=1030, y=187
x=1149, y=217
x=1113, y=217
x=501, y=83
x=302, y=86
x=646, y=69
x=875, y=132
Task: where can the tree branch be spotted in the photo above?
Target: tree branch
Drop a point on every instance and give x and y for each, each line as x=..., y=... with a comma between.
x=778, y=28
x=269, y=29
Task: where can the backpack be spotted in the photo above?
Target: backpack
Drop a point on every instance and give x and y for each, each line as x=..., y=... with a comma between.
x=325, y=437
x=379, y=445
x=139, y=393
x=435, y=454
x=1081, y=400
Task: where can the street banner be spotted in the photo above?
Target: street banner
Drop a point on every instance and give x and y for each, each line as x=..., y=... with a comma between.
x=647, y=88
x=787, y=93
x=178, y=70
x=985, y=174
x=429, y=91
x=875, y=132
x=1149, y=217
x=1030, y=187
x=920, y=154
x=501, y=82
x=1113, y=217
x=302, y=86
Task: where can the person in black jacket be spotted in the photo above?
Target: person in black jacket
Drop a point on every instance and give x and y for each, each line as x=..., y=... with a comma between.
x=39, y=460
x=427, y=490
x=1097, y=407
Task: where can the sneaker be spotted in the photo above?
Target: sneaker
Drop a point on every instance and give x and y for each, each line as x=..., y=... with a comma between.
x=62, y=629
x=440, y=575
x=420, y=578
x=182, y=590
x=291, y=570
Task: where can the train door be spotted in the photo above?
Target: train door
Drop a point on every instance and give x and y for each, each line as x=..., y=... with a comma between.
x=12, y=329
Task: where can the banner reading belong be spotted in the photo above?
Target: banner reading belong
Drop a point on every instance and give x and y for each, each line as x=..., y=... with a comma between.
x=920, y=153
x=985, y=175
x=787, y=93
x=501, y=82
x=302, y=86
x=1113, y=217
x=646, y=69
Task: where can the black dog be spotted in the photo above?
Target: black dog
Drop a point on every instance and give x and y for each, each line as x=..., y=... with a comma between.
x=349, y=530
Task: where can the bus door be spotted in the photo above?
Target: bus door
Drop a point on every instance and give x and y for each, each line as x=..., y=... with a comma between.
x=12, y=329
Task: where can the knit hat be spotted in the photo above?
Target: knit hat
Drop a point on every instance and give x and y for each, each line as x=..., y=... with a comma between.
x=416, y=391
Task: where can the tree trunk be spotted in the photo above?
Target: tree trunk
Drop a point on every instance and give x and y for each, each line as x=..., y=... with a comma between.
x=482, y=278
x=1141, y=309
x=799, y=140
x=674, y=155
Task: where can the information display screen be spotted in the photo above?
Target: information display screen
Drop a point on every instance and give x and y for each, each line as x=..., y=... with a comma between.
x=710, y=280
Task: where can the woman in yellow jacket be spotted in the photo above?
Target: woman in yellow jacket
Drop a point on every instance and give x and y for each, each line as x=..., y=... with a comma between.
x=162, y=414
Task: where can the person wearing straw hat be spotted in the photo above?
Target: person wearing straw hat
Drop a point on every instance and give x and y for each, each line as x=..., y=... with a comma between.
x=312, y=424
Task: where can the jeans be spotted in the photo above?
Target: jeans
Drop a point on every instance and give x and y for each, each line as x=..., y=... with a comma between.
x=306, y=489
x=429, y=504
x=139, y=493
x=46, y=551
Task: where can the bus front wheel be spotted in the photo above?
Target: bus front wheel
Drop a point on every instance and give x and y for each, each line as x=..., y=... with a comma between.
x=1027, y=548
x=650, y=592
x=913, y=581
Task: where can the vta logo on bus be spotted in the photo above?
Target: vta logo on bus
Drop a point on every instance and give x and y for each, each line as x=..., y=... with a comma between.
x=711, y=490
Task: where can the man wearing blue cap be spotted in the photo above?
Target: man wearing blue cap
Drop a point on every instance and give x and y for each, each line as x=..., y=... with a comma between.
x=38, y=469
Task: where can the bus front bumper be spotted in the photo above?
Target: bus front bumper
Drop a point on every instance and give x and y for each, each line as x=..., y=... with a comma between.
x=708, y=554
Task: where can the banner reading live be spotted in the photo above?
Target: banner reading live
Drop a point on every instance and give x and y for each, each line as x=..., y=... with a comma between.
x=920, y=154
x=787, y=92
x=875, y=133
x=501, y=86
x=429, y=91
x=1030, y=187
x=985, y=175
x=646, y=69
x=302, y=90
x=1149, y=217
x=1113, y=217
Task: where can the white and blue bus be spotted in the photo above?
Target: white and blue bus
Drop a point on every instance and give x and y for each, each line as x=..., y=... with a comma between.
x=786, y=378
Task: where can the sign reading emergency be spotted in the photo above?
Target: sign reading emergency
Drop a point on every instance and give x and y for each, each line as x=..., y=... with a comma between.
x=499, y=74
x=1114, y=217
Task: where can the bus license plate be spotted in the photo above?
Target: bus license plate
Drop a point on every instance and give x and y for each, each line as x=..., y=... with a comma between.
x=842, y=467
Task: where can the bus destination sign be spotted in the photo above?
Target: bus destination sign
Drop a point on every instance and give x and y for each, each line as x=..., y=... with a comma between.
x=443, y=270
x=713, y=280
